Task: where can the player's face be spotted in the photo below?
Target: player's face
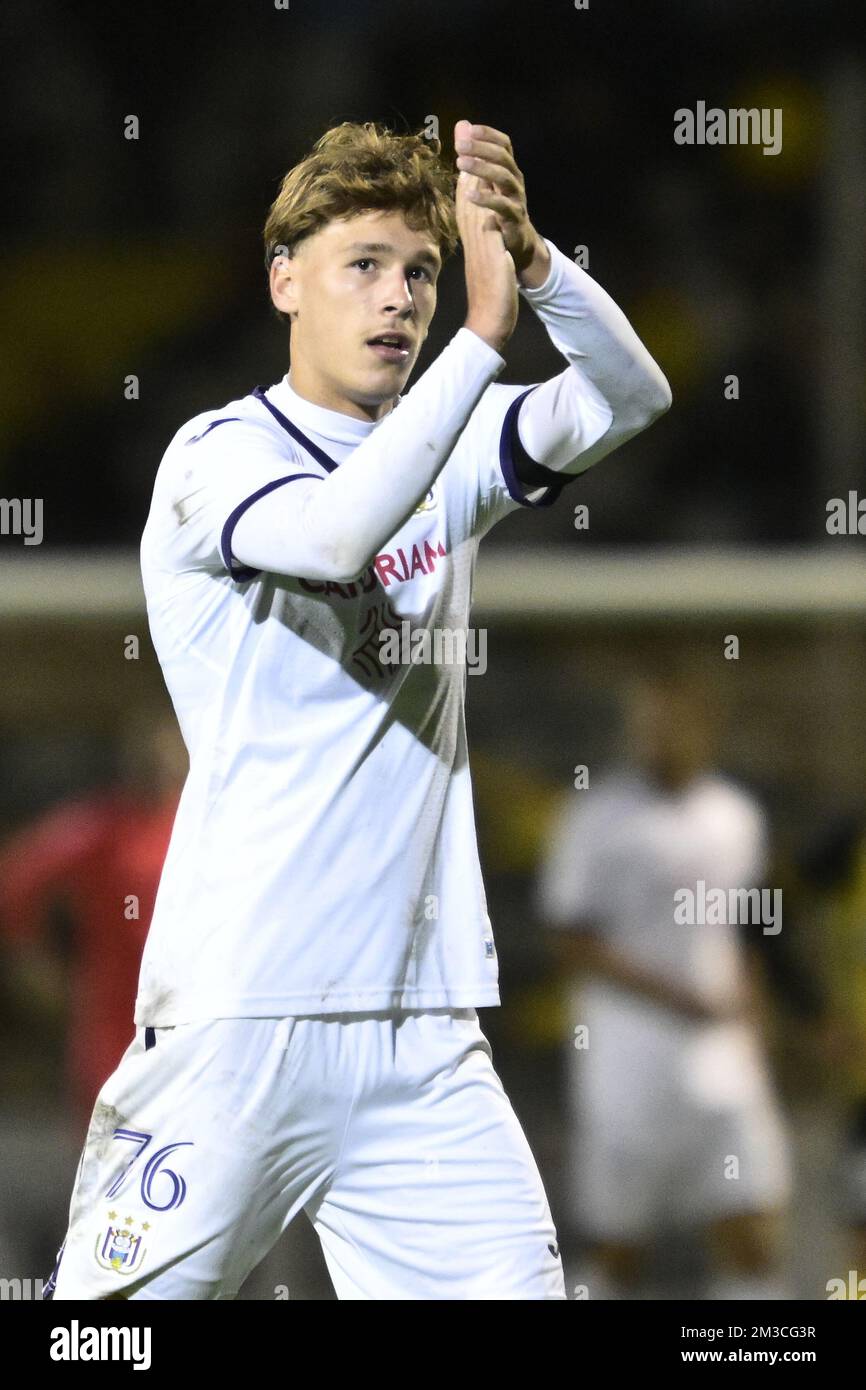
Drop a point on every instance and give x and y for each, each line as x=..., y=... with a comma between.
x=355, y=280
x=671, y=731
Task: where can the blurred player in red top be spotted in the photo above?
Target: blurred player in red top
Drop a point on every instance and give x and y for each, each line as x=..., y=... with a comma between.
x=98, y=857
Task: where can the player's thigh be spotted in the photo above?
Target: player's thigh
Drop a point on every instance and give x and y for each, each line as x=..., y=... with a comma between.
x=739, y=1162
x=616, y=1185
x=625, y=1130
x=177, y=1194
x=619, y=1086
x=437, y=1194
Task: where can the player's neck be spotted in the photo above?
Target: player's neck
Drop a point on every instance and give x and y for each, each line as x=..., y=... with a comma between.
x=327, y=398
x=670, y=779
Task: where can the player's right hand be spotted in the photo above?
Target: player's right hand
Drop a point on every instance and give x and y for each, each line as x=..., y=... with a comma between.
x=491, y=280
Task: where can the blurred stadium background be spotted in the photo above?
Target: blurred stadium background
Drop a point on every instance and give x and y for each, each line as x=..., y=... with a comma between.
x=142, y=258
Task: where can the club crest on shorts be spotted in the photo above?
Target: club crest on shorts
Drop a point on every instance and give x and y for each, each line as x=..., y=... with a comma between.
x=119, y=1248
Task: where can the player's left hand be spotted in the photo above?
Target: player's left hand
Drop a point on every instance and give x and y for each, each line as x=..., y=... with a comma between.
x=487, y=154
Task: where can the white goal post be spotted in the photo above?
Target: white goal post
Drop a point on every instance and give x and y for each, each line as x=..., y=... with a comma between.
x=540, y=583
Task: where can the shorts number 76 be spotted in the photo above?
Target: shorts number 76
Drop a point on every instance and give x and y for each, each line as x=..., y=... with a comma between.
x=153, y=1169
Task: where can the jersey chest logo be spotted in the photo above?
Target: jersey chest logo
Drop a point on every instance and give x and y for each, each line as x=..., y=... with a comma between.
x=429, y=502
x=387, y=568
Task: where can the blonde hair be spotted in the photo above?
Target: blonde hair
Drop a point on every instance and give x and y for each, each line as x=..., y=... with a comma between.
x=355, y=168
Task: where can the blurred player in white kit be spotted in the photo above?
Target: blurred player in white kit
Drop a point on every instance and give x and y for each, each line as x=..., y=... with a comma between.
x=674, y=1121
x=306, y=1026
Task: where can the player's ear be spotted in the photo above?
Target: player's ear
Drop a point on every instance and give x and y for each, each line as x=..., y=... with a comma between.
x=283, y=284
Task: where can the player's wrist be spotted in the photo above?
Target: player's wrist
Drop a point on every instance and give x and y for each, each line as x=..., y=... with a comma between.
x=495, y=336
x=535, y=269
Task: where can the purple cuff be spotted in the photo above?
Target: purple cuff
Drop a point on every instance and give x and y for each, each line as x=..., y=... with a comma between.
x=520, y=471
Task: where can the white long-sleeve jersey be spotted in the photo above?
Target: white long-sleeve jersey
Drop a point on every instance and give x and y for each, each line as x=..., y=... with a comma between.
x=324, y=856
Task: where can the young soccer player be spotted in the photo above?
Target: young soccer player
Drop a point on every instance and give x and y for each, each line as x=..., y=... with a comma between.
x=306, y=1026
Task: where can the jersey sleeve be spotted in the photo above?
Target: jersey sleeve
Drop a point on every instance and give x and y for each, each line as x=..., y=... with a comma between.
x=213, y=475
x=490, y=452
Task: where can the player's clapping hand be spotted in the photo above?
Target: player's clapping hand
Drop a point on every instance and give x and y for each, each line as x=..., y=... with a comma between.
x=491, y=283
x=487, y=154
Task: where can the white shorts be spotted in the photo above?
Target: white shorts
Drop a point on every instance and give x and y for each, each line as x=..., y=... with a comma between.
x=391, y=1130
x=681, y=1136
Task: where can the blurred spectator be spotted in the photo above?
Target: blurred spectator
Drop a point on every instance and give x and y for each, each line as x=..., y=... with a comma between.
x=675, y=1119
x=77, y=889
